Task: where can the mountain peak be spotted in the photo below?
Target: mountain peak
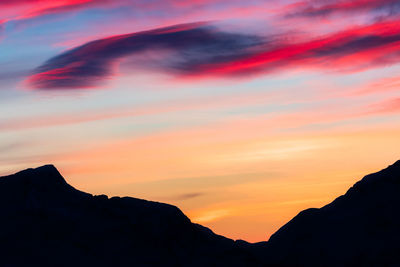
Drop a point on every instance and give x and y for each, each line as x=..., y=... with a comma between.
x=40, y=183
x=48, y=169
x=50, y=223
x=46, y=175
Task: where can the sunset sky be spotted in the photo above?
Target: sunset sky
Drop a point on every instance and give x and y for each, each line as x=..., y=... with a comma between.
x=241, y=113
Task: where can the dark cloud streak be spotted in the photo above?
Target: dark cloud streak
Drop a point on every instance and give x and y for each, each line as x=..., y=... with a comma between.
x=187, y=46
x=201, y=50
x=312, y=9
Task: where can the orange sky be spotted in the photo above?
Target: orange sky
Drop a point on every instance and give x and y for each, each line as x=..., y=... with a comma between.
x=241, y=113
x=239, y=186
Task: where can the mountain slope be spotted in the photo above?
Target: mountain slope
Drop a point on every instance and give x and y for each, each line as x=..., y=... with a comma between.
x=46, y=222
x=360, y=228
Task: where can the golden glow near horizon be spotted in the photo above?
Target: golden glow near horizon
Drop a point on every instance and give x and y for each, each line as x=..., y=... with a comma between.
x=244, y=189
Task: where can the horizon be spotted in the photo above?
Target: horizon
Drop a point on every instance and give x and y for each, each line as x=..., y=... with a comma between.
x=240, y=113
x=32, y=173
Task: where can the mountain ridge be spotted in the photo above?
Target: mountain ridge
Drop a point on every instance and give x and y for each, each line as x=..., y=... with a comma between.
x=45, y=219
x=42, y=213
x=361, y=226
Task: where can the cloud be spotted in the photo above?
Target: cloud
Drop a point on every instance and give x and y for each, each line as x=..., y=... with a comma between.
x=7, y=3
x=187, y=196
x=198, y=49
x=35, y=8
x=181, y=48
x=383, y=85
x=390, y=106
x=52, y=7
x=22, y=10
x=320, y=8
x=211, y=215
x=347, y=51
x=2, y=27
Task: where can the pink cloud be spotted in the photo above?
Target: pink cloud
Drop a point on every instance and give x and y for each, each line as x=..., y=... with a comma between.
x=200, y=50
x=325, y=8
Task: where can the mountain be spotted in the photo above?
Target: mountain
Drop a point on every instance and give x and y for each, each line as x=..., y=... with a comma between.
x=46, y=222
x=360, y=228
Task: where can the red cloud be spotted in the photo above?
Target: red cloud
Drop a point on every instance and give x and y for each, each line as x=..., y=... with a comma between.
x=199, y=50
x=26, y=9
x=324, y=8
x=351, y=50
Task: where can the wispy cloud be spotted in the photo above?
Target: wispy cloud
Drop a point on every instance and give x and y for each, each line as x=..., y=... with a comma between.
x=187, y=196
x=201, y=50
x=312, y=9
x=350, y=50
x=211, y=215
x=386, y=107
x=180, y=48
x=383, y=85
x=28, y=9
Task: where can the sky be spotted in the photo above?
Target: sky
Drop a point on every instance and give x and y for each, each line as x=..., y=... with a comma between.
x=241, y=113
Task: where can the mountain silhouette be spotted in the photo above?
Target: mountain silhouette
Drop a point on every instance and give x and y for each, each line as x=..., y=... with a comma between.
x=360, y=228
x=47, y=222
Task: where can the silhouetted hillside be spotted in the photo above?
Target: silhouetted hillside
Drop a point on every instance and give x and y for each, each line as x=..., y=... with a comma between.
x=46, y=222
x=360, y=228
